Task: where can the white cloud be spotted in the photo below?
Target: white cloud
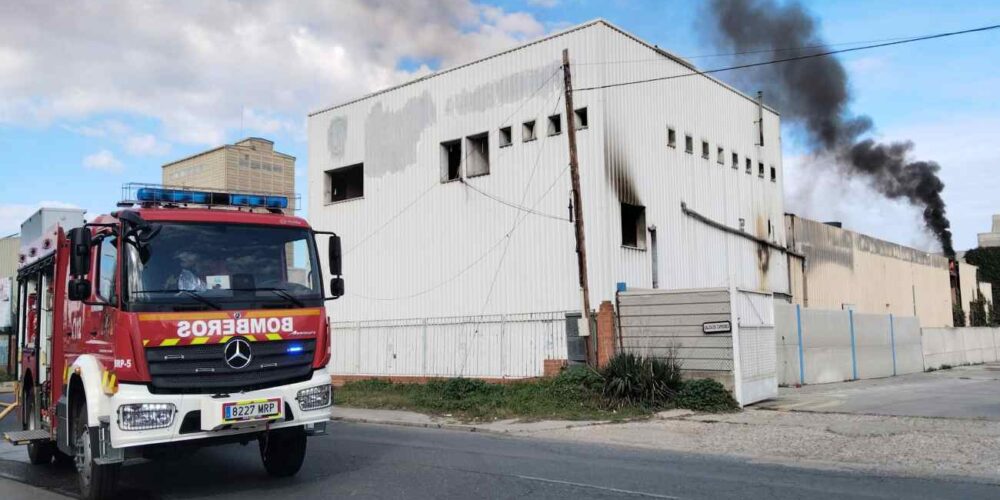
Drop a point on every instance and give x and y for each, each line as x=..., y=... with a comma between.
x=194, y=65
x=104, y=161
x=12, y=215
x=146, y=145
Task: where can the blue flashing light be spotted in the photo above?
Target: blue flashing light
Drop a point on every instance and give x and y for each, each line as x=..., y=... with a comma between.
x=294, y=348
x=162, y=195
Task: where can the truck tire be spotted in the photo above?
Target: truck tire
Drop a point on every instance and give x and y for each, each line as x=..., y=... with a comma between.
x=39, y=452
x=283, y=451
x=97, y=481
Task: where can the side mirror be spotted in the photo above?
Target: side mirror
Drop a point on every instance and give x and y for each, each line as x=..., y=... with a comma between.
x=79, y=251
x=336, y=287
x=335, y=257
x=79, y=289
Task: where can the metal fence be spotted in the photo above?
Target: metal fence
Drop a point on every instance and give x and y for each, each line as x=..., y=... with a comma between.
x=495, y=346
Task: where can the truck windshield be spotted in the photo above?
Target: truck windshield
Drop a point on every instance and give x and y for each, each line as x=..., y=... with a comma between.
x=223, y=266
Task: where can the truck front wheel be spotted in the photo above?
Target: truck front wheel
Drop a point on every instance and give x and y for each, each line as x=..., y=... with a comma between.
x=283, y=451
x=96, y=480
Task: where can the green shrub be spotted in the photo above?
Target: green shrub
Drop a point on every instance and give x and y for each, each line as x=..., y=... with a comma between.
x=581, y=376
x=958, y=315
x=705, y=395
x=633, y=380
x=977, y=311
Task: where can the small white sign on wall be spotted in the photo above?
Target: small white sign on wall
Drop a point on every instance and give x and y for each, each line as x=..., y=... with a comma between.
x=716, y=327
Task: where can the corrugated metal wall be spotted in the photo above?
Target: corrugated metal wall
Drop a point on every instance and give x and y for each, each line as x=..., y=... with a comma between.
x=496, y=346
x=847, y=269
x=417, y=247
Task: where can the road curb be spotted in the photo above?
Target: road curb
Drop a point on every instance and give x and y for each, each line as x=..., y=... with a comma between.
x=464, y=427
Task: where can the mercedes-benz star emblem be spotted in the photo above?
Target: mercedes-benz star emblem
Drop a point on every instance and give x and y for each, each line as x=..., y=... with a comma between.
x=237, y=353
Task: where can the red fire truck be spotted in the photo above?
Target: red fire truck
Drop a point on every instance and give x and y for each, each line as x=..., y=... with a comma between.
x=187, y=318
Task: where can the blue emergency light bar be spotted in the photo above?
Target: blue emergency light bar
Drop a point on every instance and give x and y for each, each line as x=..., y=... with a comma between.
x=294, y=348
x=167, y=195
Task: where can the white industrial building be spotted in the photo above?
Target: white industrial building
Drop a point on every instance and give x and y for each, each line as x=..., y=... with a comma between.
x=451, y=195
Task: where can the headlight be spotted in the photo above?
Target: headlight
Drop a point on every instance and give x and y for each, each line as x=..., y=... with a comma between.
x=145, y=416
x=315, y=398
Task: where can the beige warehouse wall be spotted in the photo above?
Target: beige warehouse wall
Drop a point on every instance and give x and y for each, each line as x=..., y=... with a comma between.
x=845, y=269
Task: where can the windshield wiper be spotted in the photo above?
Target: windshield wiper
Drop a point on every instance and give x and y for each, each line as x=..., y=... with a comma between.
x=194, y=295
x=281, y=292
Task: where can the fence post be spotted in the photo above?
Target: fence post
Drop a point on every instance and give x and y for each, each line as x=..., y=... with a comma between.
x=892, y=342
x=423, y=340
x=802, y=357
x=854, y=348
x=503, y=331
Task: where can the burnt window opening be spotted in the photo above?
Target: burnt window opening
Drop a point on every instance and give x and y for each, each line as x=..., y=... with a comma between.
x=671, y=138
x=688, y=144
x=749, y=166
x=720, y=156
x=704, y=149
x=760, y=170
x=774, y=174
x=555, y=124
x=736, y=160
x=528, y=131
x=451, y=160
x=581, y=118
x=633, y=226
x=345, y=183
x=506, y=137
x=478, y=150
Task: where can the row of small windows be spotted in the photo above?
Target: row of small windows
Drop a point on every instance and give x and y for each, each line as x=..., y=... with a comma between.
x=347, y=183
x=477, y=147
x=720, y=155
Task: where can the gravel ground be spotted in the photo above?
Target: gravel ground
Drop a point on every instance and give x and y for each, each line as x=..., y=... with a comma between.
x=901, y=445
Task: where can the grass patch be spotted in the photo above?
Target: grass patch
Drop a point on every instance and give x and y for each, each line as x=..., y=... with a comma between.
x=629, y=387
x=573, y=395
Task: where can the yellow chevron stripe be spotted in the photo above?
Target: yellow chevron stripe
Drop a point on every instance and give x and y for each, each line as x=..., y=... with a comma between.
x=273, y=336
x=144, y=342
x=104, y=379
x=169, y=342
x=251, y=338
x=199, y=340
x=225, y=339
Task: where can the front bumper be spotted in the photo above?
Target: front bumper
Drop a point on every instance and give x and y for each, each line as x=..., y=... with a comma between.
x=187, y=403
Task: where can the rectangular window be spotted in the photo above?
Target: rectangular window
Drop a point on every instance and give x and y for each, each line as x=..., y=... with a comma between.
x=478, y=149
x=749, y=166
x=760, y=170
x=633, y=226
x=671, y=138
x=506, y=137
x=345, y=183
x=704, y=149
x=555, y=124
x=736, y=160
x=451, y=160
x=774, y=174
x=720, y=156
x=581, y=118
x=106, y=268
x=688, y=144
x=528, y=131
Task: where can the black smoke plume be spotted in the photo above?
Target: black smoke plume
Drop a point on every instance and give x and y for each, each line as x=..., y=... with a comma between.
x=815, y=93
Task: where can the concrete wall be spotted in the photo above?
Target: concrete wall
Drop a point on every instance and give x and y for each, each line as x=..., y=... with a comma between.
x=881, y=345
x=960, y=346
x=848, y=270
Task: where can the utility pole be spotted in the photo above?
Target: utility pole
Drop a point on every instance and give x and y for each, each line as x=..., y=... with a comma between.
x=574, y=171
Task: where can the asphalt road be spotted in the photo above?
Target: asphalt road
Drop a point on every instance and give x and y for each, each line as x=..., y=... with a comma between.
x=372, y=461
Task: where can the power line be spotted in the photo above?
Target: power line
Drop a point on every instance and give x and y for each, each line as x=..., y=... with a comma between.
x=438, y=182
x=745, y=52
x=514, y=205
x=790, y=59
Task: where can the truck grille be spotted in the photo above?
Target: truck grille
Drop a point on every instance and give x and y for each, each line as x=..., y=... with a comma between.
x=202, y=368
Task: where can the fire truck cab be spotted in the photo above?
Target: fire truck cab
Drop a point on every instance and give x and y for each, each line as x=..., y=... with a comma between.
x=187, y=318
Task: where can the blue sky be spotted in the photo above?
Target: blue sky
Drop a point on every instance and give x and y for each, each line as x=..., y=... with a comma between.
x=92, y=108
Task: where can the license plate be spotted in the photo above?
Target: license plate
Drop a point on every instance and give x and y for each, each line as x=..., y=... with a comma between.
x=257, y=409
